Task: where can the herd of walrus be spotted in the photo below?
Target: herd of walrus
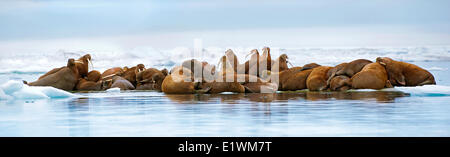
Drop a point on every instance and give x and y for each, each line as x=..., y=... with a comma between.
x=259, y=74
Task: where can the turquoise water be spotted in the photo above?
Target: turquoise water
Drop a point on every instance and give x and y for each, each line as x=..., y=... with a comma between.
x=149, y=113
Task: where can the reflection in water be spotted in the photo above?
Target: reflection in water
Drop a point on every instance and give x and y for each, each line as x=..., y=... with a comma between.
x=375, y=113
x=379, y=96
x=78, y=110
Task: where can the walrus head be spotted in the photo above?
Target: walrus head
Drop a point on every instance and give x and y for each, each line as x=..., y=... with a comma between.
x=157, y=80
x=266, y=52
x=165, y=72
x=84, y=59
x=231, y=57
x=71, y=63
x=85, y=64
x=384, y=60
x=396, y=77
x=106, y=84
x=253, y=53
x=139, y=68
x=285, y=58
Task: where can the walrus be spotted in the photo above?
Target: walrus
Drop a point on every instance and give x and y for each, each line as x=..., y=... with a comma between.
x=150, y=79
x=219, y=87
x=310, y=66
x=206, y=71
x=340, y=83
x=91, y=83
x=86, y=85
x=119, y=82
x=252, y=65
x=66, y=78
x=227, y=66
x=231, y=59
x=193, y=65
x=406, y=74
x=260, y=87
x=93, y=75
x=348, y=69
x=296, y=80
x=112, y=71
x=51, y=72
x=317, y=79
x=280, y=77
x=372, y=76
x=123, y=85
x=353, y=67
x=82, y=65
x=281, y=63
x=177, y=82
x=265, y=60
x=251, y=83
x=165, y=72
x=130, y=74
x=332, y=72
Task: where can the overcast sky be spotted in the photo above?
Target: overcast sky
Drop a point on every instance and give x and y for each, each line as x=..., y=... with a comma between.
x=53, y=19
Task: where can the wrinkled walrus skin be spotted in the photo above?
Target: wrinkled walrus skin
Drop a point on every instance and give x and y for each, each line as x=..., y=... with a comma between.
x=340, y=83
x=85, y=85
x=177, y=82
x=66, y=78
x=406, y=74
x=82, y=65
x=112, y=71
x=372, y=76
x=353, y=67
x=150, y=79
x=317, y=79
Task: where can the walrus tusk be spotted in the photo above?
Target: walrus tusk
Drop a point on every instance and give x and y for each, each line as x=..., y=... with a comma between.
x=331, y=77
x=218, y=63
x=146, y=81
x=290, y=63
x=90, y=66
x=109, y=76
x=78, y=61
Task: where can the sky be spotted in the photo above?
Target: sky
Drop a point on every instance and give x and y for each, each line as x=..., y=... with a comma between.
x=169, y=23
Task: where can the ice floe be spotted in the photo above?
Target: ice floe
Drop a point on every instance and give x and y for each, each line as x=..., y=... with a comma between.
x=113, y=90
x=17, y=90
x=427, y=90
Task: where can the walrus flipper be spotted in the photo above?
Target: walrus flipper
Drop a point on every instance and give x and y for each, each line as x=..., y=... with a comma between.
x=203, y=91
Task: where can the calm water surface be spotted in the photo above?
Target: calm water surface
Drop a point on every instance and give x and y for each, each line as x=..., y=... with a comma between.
x=149, y=113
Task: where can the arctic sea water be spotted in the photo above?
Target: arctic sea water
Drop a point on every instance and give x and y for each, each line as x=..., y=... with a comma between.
x=408, y=111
